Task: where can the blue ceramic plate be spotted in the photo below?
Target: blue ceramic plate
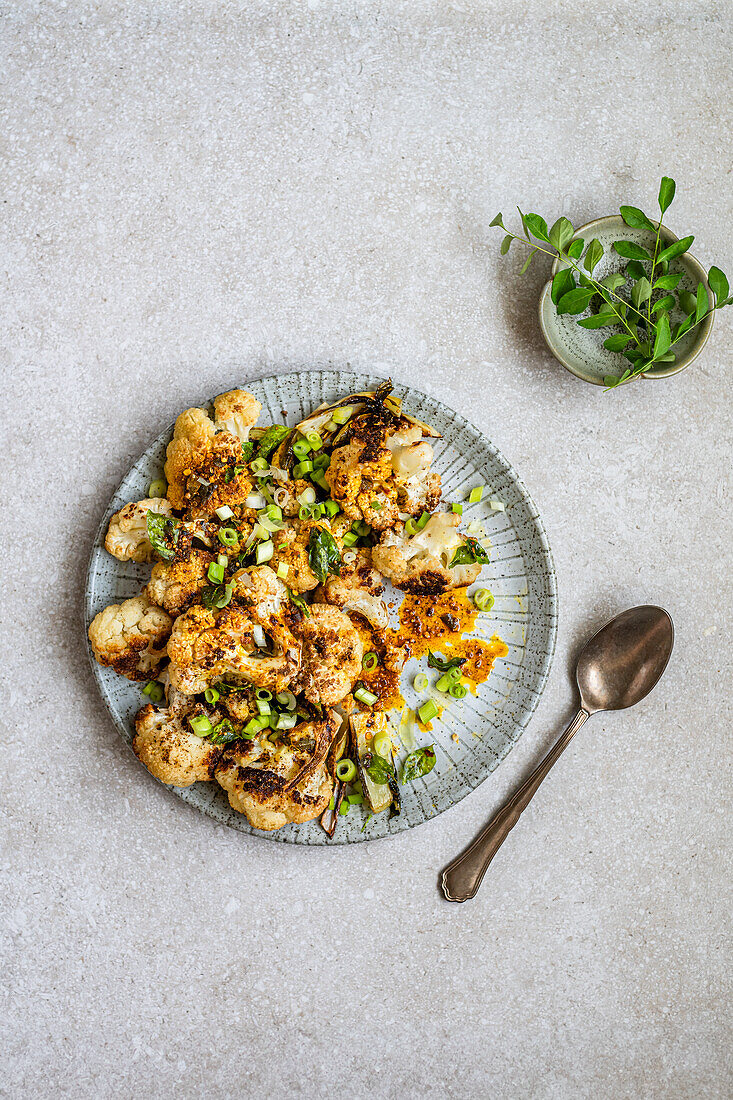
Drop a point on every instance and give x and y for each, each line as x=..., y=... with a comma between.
x=521, y=576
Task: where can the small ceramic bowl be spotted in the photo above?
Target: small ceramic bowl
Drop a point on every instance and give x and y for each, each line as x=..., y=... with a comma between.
x=580, y=349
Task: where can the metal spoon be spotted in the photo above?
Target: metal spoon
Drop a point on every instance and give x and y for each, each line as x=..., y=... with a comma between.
x=618, y=667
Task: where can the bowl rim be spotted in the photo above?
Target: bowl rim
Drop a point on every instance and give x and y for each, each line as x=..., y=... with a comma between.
x=662, y=372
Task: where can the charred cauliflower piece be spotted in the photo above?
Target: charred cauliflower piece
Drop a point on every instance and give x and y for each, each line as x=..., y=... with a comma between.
x=127, y=534
x=276, y=784
x=206, y=645
x=356, y=589
x=421, y=564
x=131, y=637
x=332, y=653
x=172, y=753
x=237, y=412
x=383, y=468
x=173, y=585
x=205, y=465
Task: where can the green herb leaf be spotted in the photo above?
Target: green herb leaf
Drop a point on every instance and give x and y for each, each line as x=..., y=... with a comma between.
x=640, y=291
x=688, y=301
x=575, y=248
x=563, y=282
x=676, y=249
x=442, y=664
x=682, y=328
x=299, y=603
x=635, y=270
x=272, y=439
x=666, y=193
x=630, y=250
x=636, y=218
x=575, y=301
x=471, y=551
x=600, y=320
x=718, y=284
x=617, y=343
x=665, y=303
x=593, y=256
x=610, y=381
x=162, y=534
x=668, y=357
x=506, y=244
x=323, y=553
x=223, y=732
x=524, y=223
x=528, y=261
x=667, y=282
x=613, y=281
x=701, y=302
x=498, y=220
x=418, y=763
x=663, y=339
x=537, y=226
x=561, y=234
x=377, y=768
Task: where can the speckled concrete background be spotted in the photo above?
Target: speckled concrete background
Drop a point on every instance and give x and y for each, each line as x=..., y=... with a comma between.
x=196, y=194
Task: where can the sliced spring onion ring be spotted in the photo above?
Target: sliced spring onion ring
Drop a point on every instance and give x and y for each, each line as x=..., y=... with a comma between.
x=332, y=508
x=286, y=699
x=223, y=560
x=340, y=416
x=349, y=557
x=224, y=512
x=263, y=693
x=263, y=707
x=256, y=500
x=457, y=509
x=228, y=536
x=453, y=675
x=350, y=538
x=264, y=552
x=259, y=636
x=483, y=599
x=366, y=697
x=497, y=506
x=423, y=520
x=308, y=496
x=475, y=495
x=200, y=725
x=459, y=691
x=443, y=684
x=215, y=572
x=346, y=770
x=383, y=745
x=211, y=695
x=411, y=528
x=420, y=682
x=282, y=570
x=286, y=721
x=369, y=661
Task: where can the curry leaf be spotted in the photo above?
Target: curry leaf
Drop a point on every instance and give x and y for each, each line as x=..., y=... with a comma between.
x=506, y=244
x=377, y=768
x=664, y=303
x=323, y=553
x=663, y=339
x=528, y=261
x=675, y=249
x=575, y=301
x=563, y=282
x=640, y=292
x=701, y=302
x=561, y=234
x=593, y=256
x=718, y=284
x=470, y=552
x=162, y=534
x=667, y=282
x=630, y=250
x=575, y=248
x=666, y=193
x=537, y=226
x=600, y=320
x=498, y=220
x=272, y=439
x=635, y=270
x=617, y=343
x=444, y=665
x=418, y=763
x=636, y=218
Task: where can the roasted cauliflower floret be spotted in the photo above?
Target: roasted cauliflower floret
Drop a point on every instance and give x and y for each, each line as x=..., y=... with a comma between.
x=421, y=564
x=357, y=589
x=206, y=645
x=383, y=469
x=275, y=784
x=170, y=751
x=205, y=465
x=332, y=653
x=131, y=637
x=237, y=411
x=173, y=585
x=127, y=534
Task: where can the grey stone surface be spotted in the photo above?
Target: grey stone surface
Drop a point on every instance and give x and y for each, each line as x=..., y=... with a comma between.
x=193, y=195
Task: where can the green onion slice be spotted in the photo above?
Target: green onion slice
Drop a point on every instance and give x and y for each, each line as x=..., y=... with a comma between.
x=420, y=682
x=157, y=488
x=366, y=697
x=370, y=661
x=211, y=695
x=483, y=599
x=346, y=770
x=201, y=725
x=228, y=536
x=427, y=711
x=475, y=495
x=458, y=691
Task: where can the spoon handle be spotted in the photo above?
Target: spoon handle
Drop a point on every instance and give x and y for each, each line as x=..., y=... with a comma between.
x=462, y=878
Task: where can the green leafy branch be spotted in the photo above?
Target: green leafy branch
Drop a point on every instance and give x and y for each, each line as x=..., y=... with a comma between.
x=638, y=301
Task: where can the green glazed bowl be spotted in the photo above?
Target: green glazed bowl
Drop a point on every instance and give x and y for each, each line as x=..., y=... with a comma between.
x=581, y=350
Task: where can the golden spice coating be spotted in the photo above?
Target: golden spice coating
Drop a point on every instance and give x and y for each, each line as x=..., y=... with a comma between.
x=127, y=534
x=173, y=585
x=275, y=784
x=332, y=654
x=131, y=637
x=172, y=753
x=421, y=564
x=205, y=467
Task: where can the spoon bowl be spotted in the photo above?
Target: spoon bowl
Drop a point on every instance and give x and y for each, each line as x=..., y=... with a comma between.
x=623, y=661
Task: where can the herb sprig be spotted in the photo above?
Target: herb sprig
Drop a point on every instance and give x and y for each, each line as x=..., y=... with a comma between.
x=648, y=335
